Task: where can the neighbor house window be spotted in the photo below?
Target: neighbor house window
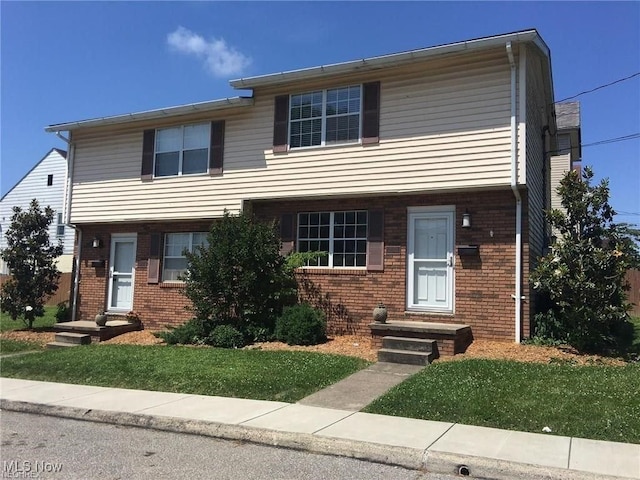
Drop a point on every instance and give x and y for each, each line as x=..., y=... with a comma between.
x=175, y=245
x=60, y=227
x=343, y=235
x=564, y=144
x=182, y=150
x=325, y=117
x=49, y=180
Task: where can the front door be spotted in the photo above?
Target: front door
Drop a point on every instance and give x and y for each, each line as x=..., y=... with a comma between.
x=122, y=272
x=430, y=259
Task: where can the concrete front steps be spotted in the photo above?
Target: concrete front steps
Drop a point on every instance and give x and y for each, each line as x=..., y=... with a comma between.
x=410, y=351
x=419, y=343
x=113, y=328
x=69, y=339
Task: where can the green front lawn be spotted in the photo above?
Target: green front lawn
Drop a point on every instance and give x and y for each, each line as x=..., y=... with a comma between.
x=41, y=323
x=596, y=402
x=263, y=375
x=14, y=346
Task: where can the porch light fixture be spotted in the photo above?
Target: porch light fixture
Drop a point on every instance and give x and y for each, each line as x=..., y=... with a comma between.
x=96, y=243
x=466, y=219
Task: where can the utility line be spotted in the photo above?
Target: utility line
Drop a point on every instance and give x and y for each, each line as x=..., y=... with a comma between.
x=612, y=140
x=600, y=87
x=631, y=136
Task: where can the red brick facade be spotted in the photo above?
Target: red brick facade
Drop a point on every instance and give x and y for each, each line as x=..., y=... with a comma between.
x=483, y=284
x=158, y=305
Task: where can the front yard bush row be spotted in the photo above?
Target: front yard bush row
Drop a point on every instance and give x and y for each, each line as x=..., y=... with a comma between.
x=239, y=285
x=299, y=325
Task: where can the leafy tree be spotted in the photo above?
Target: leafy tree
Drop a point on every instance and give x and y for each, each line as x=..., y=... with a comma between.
x=583, y=275
x=239, y=278
x=31, y=259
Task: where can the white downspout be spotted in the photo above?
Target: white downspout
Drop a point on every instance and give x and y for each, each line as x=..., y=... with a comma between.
x=67, y=217
x=514, y=187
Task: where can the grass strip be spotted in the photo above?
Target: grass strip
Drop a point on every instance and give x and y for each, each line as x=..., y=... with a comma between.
x=262, y=375
x=14, y=346
x=597, y=402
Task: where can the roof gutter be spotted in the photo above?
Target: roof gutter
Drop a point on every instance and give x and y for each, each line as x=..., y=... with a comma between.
x=152, y=114
x=373, y=63
x=516, y=193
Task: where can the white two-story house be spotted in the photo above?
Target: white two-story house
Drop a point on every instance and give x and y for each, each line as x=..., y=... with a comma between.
x=46, y=183
x=421, y=173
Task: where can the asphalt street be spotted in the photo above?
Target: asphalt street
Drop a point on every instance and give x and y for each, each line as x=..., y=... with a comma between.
x=50, y=447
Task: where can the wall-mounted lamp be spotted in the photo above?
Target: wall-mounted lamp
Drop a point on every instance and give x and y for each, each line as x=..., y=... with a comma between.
x=96, y=243
x=466, y=219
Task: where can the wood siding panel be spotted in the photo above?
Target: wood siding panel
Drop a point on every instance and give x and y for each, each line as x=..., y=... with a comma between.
x=440, y=129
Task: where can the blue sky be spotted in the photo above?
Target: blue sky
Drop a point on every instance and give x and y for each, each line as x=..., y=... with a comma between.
x=65, y=61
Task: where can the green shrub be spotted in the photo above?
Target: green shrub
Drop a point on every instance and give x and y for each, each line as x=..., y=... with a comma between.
x=189, y=333
x=239, y=277
x=584, y=274
x=63, y=312
x=226, y=336
x=301, y=325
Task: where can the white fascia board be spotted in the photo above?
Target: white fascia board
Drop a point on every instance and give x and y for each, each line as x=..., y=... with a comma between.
x=373, y=63
x=154, y=114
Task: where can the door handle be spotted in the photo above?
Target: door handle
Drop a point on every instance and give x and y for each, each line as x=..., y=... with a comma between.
x=450, y=260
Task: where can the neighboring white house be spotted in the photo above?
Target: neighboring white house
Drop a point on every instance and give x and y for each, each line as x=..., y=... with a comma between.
x=569, y=152
x=46, y=183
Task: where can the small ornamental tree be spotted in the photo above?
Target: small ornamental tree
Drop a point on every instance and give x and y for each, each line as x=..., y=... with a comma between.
x=31, y=259
x=239, y=278
x=583, y=276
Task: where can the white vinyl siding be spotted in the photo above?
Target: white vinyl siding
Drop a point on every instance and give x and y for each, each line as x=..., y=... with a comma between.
x=35, y=185
x=441, y=128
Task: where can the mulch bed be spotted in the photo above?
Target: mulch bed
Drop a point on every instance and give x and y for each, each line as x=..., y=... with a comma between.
x=360, y=346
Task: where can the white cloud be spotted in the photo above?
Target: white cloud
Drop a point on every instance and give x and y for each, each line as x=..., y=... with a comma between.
x=219, y=58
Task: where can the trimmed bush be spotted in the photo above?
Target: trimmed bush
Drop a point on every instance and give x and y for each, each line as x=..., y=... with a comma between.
x=226, y=336
x=63, y=312
x=301, y=325
x=190, y=333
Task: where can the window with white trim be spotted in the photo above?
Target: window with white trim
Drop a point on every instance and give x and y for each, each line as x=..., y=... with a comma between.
x=182, y=150
x=60, y=226
x=325, y=117
x=343, y=235
x=175, y=245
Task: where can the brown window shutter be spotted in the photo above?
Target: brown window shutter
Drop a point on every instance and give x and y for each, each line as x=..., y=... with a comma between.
x=375, y=240
x=153, y=265
x=371, y=113
x=287, y=234
x=281, y=124
x=148, y=147
x=216, y=151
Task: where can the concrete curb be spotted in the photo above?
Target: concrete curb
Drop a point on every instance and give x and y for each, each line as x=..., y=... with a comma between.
x=390, y=455
x=488, y=468
x=411, y=458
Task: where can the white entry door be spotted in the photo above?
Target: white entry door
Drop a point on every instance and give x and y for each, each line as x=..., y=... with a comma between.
x=122, y=272
x=430, y=259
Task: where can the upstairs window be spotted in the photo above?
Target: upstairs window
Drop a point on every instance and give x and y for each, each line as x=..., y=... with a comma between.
x=175, y=261
x=182, y=150
x=343, y=235
x=325, y=117
x=49, y=180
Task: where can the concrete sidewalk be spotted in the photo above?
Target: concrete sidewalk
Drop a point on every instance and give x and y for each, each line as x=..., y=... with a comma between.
x=417, y=444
